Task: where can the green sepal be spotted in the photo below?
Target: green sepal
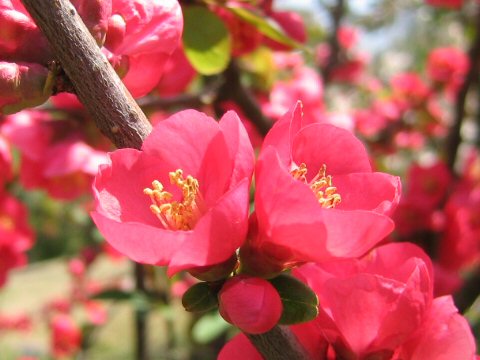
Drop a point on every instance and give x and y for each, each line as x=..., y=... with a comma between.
x=300, y=303
x=200, y=297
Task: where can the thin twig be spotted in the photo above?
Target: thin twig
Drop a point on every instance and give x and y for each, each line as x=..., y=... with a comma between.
x=454, y=137
x=234, y=90
x=337, y=14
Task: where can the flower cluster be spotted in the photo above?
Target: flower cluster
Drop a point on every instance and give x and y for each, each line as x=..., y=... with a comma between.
x=182, y=201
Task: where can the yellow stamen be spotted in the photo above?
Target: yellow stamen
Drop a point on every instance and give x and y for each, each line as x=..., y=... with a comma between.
x=321, y=185
x=176, y=215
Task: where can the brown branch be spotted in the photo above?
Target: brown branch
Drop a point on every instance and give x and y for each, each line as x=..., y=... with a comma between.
x=96, y=84
x=454, y=138
x=271, y=345
x=234, y=90
x=337, y=13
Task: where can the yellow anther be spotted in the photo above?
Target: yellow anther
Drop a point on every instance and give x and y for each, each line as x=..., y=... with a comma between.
x=176, y=215
x=321, y=185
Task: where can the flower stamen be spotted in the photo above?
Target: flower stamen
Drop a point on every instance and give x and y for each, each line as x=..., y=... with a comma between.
x=321, y=185
x=176, y=215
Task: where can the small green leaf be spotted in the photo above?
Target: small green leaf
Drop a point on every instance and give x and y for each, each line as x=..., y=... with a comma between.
x=300, y=303
x=206, y=40
x=200, y=297
x=209, y=327
x=113, y=295
x=268, y=29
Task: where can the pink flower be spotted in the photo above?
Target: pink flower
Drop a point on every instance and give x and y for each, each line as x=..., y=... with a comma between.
x=182, y=200
x=141, y=35
x=21, y=39
x=428, y=185
x=66, y=336
x=64, y=167
x=16, y=237
x=251, y=304
x=177, y=75
x=347, y=37
x=444, y=335
x=371, y=306
x=447, y=65
x=313, y=202
x=453, y=4
x=409, y=90
x=5, y=162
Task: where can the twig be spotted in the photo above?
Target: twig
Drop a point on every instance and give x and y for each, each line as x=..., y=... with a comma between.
x=337, y=14
x=234, y=90
x=454, y=138
x=97, y=86
x=272, y=345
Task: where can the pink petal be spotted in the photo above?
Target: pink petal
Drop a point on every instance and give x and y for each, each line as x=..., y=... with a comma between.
x=187, y=151
x=319, y=144
x=140, y=242
x=353, y=233
x=239, y=146
x=119, y=187
x=378, y=192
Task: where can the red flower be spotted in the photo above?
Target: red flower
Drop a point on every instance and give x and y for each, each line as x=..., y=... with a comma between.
x=141, y=36
x=5, y=162
x=252, y=304
x=444, y=335
x=66, y=336
x=371, y=306
x=16, y=236
x=182, y=200
x=316, y=197
x=453, y=4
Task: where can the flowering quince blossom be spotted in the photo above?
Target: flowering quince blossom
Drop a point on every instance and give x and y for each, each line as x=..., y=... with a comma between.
x=63, y=167
x=16, y=237
x=182, y=200
x=141, y=36
x=312, y=202
x=5, y=162
x=66, y=336
x=252, y=304
x=378, y=307
x=389, y=291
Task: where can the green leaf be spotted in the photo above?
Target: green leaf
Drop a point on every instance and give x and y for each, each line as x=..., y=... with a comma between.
x=206, y=40
x=200, y=297
x=268, y=29
x=114, y=295
x=300, y=303
x=209, y=327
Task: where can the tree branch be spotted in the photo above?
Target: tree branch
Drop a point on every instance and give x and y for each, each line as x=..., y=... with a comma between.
x=272, y=344
x=454, y=138
x=96, y=84
x=337, y=13
x=234, y=90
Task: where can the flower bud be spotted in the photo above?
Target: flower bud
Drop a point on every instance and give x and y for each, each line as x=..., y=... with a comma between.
x=22, y=85
x=252, y=304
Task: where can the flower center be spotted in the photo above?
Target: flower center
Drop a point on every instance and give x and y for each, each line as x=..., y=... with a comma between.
x=321, y=185
x=176, y=215
x=6, y=222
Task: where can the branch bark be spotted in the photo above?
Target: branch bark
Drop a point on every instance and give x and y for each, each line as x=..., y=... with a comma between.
x=272, y=344
x=454, y=137
x=337, y=13
x=96, y=84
